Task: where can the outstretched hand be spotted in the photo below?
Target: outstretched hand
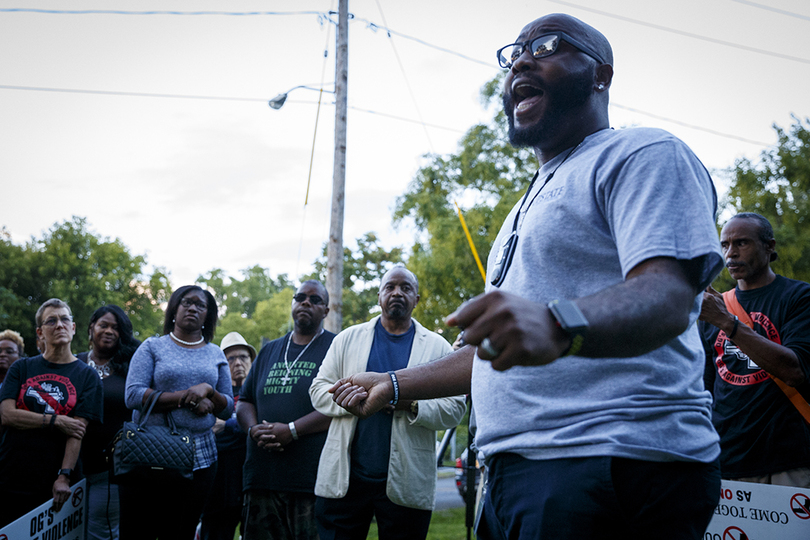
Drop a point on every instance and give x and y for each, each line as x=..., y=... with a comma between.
x=522, y=332
x=363, y=394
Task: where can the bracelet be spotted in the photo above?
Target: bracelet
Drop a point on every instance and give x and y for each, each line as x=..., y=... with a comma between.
x=250, y=430
x=53, y=420
x=576, y=345
x=293, y=432
x=396, y=387
x=734, y=329
x=44, y=420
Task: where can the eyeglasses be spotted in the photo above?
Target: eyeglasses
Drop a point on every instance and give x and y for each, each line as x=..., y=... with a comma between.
x=188, y=302
x=53, y=321
x=314, y=299
x=242, y=357
x=540, y=47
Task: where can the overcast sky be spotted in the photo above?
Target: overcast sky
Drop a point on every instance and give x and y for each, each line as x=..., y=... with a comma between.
x=196, y=184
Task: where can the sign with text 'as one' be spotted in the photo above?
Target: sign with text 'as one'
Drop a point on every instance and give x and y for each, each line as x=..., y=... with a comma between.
x=760, y=512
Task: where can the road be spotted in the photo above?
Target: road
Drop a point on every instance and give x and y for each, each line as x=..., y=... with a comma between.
x=447, y=495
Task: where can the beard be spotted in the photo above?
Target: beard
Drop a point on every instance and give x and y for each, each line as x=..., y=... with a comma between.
x=306, y=325
x=398, y=312
x=564, y=97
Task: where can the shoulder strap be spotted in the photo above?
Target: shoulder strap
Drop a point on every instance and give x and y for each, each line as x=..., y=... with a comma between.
x=733, y=306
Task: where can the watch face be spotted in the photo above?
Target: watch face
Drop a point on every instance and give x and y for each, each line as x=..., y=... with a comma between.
x=569, y=316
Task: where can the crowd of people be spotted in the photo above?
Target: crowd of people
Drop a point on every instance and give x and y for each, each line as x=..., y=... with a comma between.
x=612, y=387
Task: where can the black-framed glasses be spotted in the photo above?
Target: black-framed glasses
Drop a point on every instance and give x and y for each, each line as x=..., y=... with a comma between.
x=540, y=47
x=314, y=299
x=188, y=302
x=53, y=321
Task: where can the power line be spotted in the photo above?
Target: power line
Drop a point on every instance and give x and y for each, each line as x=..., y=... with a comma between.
x=368, y=111
x=775, y=10
x=682, y=33
x=155, y=12
x=321, y=15
x=690, y=126
x=407, y=119
x=130, y=94
x=210, y=98
x=407, y=82
x=375, y=26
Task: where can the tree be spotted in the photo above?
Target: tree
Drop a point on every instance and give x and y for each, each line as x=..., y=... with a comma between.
x=241, y=296
x=271, y=319
x=363, y=269
x=778, y=187
x=485, y=177
x=85, y=270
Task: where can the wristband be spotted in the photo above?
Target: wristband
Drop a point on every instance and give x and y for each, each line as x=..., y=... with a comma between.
x=250, y=430
x=396, y=387
x=53, y=420
x=734, y=329
x=293, y=432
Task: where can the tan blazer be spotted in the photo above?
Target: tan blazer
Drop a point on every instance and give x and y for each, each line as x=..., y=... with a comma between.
x=412, y=465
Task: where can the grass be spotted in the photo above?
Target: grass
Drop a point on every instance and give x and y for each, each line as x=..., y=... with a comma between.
x=444, y=525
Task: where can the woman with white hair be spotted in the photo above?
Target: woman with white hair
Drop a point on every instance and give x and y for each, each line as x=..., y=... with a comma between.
x=46, y=403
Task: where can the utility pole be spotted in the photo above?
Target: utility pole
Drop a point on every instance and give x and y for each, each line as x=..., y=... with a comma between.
x=334, y=250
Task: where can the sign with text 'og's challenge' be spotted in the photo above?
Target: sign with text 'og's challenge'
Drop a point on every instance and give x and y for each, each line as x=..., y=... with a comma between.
x=760, y=512
x=44, y=523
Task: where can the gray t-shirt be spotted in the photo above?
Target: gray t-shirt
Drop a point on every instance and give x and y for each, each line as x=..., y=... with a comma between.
x=621, y=198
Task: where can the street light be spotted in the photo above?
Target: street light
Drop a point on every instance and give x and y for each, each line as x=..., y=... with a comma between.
x=278, y=101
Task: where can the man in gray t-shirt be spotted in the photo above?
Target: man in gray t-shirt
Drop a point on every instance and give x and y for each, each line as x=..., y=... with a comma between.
x=584, y=358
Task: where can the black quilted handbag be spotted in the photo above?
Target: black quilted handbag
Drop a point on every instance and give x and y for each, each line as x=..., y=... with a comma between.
x=139, y=450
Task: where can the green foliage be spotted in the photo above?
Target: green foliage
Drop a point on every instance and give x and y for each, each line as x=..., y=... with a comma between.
x=257, y=306
x=362, y=270
x=778, y=187
x=444, y=525
x=486, y=177
x=241, y=296
x=271, y=320
x=83, y=269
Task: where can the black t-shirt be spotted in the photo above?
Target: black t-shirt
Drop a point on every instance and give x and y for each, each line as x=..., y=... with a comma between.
x=280, y=400
x=761, y=432
x=96, y=442
x=30, y=458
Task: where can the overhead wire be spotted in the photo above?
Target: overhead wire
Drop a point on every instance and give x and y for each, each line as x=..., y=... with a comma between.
x=691, y=126
x=775, y=10
x=372, y=25
x=312, y=152
x=407, y=82
x=683, y=33
x=152, y=12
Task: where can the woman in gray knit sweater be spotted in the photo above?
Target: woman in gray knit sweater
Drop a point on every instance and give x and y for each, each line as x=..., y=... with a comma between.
x=193, y=375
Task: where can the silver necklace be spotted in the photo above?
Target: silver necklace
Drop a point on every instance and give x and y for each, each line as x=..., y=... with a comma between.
x=286, y=378
x=189, y=343
x=102, y=370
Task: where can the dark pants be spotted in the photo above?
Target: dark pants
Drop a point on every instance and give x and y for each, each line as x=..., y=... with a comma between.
x=220, y=524
x=600, y=497
x=161, y=505
x=350, y=517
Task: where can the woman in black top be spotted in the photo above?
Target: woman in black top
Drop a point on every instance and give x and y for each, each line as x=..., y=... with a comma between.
x=112, y=346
